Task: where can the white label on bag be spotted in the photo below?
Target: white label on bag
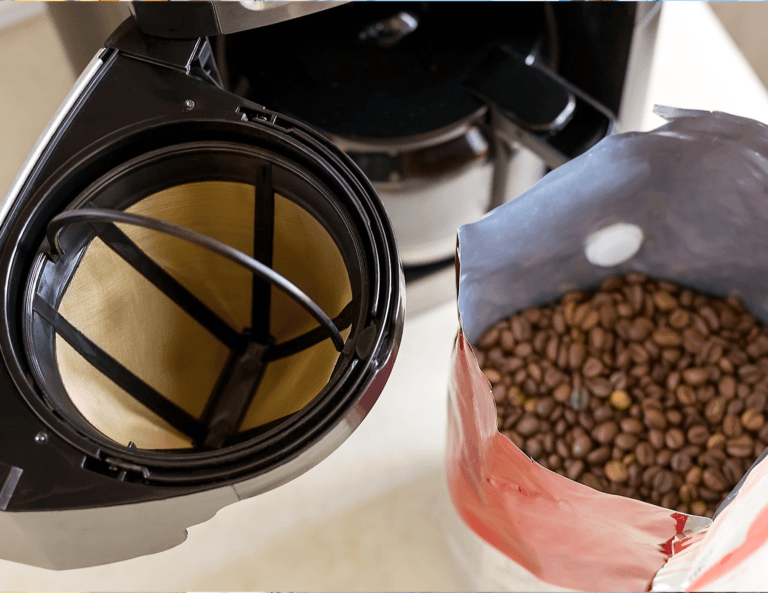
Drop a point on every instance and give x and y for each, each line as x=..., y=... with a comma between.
x=613, y=245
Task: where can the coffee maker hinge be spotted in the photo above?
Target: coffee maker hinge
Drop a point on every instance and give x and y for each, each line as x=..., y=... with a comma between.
x=203, y=64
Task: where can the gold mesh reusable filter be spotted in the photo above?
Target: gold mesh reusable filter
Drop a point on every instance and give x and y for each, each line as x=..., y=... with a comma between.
x=134, y=322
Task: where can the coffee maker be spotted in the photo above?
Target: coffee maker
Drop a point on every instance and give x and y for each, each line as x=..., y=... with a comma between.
x=400, y=87
x=207, y=252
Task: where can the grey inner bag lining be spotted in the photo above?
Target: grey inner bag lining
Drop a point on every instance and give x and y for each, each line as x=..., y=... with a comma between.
x=697, y=187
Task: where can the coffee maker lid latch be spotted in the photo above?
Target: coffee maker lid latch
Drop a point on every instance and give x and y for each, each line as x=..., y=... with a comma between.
x=534, y=107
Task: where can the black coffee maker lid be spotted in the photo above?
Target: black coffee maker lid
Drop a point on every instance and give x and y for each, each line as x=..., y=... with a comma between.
x=386, y=70
x=147, y=120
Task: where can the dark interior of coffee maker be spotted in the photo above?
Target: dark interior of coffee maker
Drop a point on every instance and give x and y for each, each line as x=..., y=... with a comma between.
x=149, y=329
x=318, y=67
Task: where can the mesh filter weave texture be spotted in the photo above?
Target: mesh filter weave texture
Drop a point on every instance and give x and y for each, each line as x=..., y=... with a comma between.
x=125, y=315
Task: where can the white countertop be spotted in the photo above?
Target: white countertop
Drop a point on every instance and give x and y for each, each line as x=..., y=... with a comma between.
x=368, y=517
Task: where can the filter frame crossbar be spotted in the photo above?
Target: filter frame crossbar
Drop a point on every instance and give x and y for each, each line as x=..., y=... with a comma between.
x=250, y=351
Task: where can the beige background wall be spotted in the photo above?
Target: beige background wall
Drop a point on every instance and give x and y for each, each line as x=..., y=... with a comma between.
x=747, y=22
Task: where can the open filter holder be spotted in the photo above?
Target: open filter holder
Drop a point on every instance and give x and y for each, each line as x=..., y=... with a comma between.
x=194, y=364
x=202, y=300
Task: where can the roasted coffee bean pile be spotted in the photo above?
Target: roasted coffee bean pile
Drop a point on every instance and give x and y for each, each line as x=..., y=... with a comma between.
x=641, y=389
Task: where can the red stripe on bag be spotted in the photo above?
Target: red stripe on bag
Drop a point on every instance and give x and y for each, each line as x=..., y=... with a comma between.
x=564, y=533
x=756, y=537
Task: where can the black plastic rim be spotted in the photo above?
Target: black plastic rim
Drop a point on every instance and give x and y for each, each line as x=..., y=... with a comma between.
x=304, y=156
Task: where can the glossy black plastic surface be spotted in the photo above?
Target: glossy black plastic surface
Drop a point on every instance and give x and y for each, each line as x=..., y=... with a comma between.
x=134, y=105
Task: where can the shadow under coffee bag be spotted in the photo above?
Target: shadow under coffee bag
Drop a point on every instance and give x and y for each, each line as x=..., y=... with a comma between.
x=687, y=203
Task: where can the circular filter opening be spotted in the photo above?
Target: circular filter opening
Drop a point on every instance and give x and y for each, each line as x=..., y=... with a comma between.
x=176, y=307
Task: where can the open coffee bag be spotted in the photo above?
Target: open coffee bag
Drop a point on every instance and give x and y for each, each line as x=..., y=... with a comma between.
x=685, y=203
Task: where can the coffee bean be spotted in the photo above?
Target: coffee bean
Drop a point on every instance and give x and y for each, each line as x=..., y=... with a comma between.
x=562, y=393
x=693, y=340
x=575, y=470
x=711, y=458
x=645, y=453
x=727, y=386
x=755, y=401
x=687, y=493
x=521, y=328
x=679, y=318
x=669, y=500
x=626, y=441
x=674, y=438
x=605, y=432
x=602, y=413
x=578, y=399
x=586, y=420
x=507, y=341
x=732, y=471
x=663, y=457
x=533, y=447
x=596, y=338
x=695, y=376
x=528, y=425
x=535, y=372
x=620, y=400
x=654, y=419
x=750, y=374
x=698, y=434
x=592, y=367
x=656, y=438
x=738, y=357
x=680, y=462
x=489, y=339
x=735, y=407
x=685, y=395
x=576, y=354
x=616, y=471
x=714, y=411
x=698, y=507
x=590, y=321
x=740, y=446
x=725, y=365
x=716, y=441
x=664, y=301
x=714, y=479
x=631, y=426
x=553, y=344
x=515, y=437
x=663, y=482
x=554, y=461
x=599, y=386
x=674, y=417
x=581, y=446
x=599, y=456
x=671, y=355
x=666, y=337
x=731, y=426
x=639, y=329
x=752, y=419
x=499, y=394
x=708, y=494
x=592, y=481
x=693, y=475
x=549, y=442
